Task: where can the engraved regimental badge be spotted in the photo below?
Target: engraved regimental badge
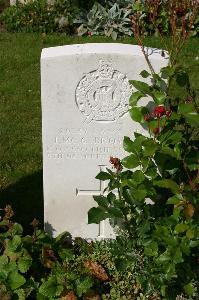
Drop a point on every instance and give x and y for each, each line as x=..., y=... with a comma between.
x=103, y=94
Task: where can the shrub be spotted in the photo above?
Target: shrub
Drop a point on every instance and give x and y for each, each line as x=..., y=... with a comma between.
x=115, y=18
x=39, y=16
x=38, y=266
x=156, y=17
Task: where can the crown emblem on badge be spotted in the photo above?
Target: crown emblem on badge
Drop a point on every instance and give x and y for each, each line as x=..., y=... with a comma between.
x=103, y=94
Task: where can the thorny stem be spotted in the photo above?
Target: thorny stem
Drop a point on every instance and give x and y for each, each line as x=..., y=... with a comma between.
x=146, y=56
x=138, y=37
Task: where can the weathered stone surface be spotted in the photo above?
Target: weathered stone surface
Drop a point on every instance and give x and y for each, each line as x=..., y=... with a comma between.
x=85, y=91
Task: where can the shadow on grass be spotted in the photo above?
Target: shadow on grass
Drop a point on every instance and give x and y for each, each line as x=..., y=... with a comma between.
x=26, y=199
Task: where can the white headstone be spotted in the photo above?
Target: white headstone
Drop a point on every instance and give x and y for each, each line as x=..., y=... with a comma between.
x=85, y=91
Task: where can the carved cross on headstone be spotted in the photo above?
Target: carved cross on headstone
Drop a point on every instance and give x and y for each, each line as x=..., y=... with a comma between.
x=102, y=186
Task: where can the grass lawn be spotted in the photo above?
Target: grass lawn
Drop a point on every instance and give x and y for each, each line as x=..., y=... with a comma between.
x=20, y=114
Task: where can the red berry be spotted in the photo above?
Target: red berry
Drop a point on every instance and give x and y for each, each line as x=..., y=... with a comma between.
x=159, y=111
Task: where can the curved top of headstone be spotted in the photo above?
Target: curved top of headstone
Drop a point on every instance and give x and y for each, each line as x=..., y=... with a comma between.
x=102, y=48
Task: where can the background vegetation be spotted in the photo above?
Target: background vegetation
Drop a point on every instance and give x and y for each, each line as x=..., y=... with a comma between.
x=104, y=17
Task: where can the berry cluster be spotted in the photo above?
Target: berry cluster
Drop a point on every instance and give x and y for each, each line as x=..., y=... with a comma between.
x=158, y=112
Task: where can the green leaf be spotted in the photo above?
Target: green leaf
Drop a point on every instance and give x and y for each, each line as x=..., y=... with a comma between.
x=139, y=193
x=138, y=142
x=111, y=198
x=159, y=83
x=3, y=275
x=3, y=261
x=21, y=294
x=164, y=257
x=194, y=244
x=151, y=249
x=135, y=97
x=115, y=212
x=181, y=227
x=185, y=108
x=138, y=177
x=103, y=176
x=190, y=234
x=97, y=214
x=133, y=146
x=189, y=289
x=145, y=74
x=163, y=290
x=169, y=184
x=182, y=78
x=149, y=147
x=130, y=161
x=128, y=196
x=101, y=201
x=169, y=151
x=193, y=119
x=174, y=199
x=4, y=223
x=24, y=263
x=128, y=144
x=141, y=86
x=170, y=271
x=166, y=72
x=17, y=229
x=136, y=114
x=15, y=280
x=159, y=97
x=82, y=286
x=66, y=254
x=14, y=244
x=171, y=137
x=64, y=237
x=51, y=288
x=190, y=114
x=151, y=171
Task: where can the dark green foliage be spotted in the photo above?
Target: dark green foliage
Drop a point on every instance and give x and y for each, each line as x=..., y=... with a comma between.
x=38, y=266
x=166, y=229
